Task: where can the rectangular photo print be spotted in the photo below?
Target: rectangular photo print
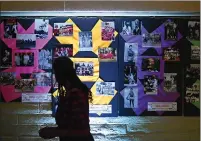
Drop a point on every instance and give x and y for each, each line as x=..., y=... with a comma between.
x=84, y=68
x=131, y=27
x=194, y=30
x=150, y=64
x=150, y=84
x=55, y=83
x=105, y=88
x=63, y=29
x=130, y=95
x=193, y=71
x=23, y=59
x=63, y=50
x=41, y=28
x=171, y=30
x=151, y=40
x=193, y=93
x=130, y=75
x=45, y=59
x=10, y=28
x=107, y=54
x=170, y=82
x=42, y=79
x=24, y=85
x=195, y=53
x=107, y=31
x=130, y=52
x=6, y=57
x=7, y=78
x=85, y=41
x=171, y=54
x=26, y=41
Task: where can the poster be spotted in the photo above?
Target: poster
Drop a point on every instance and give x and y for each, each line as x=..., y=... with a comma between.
x=24, y=85
x=107, y=54
x=171, y=54
x=10, y=28
x=63, y=50
x=194, y=30
x=105, y=88
x=150, y=84
x=151, y=40
x=63, y=29
x=130, y=95
x=41, y=28
x=170, y=82
x=150, y=64
x=42, y=79
x=6, y=57
x=84, y=68
x=26, y=41
x=45, y=59
x=107, y=31
x=130, y=52
x=171, y=30
x=7, y=78
x=85, y=41
x=24, y=59
x=131, y=27
x=130, y=75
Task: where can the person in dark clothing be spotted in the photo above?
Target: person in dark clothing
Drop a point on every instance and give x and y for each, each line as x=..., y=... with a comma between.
x=72, y=116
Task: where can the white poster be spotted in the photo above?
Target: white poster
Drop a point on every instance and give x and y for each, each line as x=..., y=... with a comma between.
x=162, y=106
x=104, y=109
x=36, y=97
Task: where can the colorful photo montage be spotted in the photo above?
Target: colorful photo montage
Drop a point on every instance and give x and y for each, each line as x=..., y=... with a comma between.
x=7, y=78
x=194, y=30
x=195, y=53
x=105, y=88
x=151, y=40
x=131, y=27
x=63, y=50
x=130, y=52
x=171, y=54
x=26, y=41
x=151, y=84
x=150, y=64
x=108, y=29
x=10, y=28
x=84, y=68
x=41, y=28
x=63, y=29
x=5, y=57
x=130, y=95
x=24, y=59
x=107, y=54
x=170, y=82
x=171, y=30
x=45, y=59
x=85, y=41
x=130, y=75
x=24, y=85
x=42, y=79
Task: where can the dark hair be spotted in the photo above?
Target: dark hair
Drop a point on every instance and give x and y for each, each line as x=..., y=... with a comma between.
x=65, y=72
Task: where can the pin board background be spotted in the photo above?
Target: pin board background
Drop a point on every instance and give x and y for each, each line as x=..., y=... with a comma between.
x=114, y=71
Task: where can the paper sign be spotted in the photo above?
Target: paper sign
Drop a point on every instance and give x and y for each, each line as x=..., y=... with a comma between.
x=162, y=106
x=36, y=97
x=104, y=109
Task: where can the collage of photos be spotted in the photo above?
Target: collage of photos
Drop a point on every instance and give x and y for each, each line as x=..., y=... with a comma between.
x=107, y=31
x=107, y=54
x=24, y=85
x=131, y=27
x=63, y=29
x=171, y=30
x=6, y=57
x=45, y=59
x=63, y=50
x=24, y=59
x=84, y=68
x=193, y=93
x=42, y=79
x=7, y=78
x=130, y=52
x=130, y=75
x=150, y=64
x=194, y=30
x=41, y=28
x=171, y=54
x=130, y=95
x=85, y=41
x=195, y=53
x=26, y=41
x=151, y=84
x=105, y=88
x=10, y=28
x=151, y=40
x=170, y=82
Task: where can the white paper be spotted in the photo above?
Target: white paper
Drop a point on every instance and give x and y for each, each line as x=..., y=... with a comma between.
x=162, y=106
x=104, y=109
x=36, y=97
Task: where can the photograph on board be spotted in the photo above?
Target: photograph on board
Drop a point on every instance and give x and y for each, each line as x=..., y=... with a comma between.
x=63, y=50
x=130, y=95
x=84, y=68
x=107, y=31
x=193, y=71
x=150, y=64
x=171, y=30
x=42, y=79
x=85, y=41
x=195, y=52
x=7, y=78
x=10, y=28
x=130, y=75
x=107, y=54
x=24, y=85
x=171, y=54
x=170, y=82
x=45, y=59
x=193, y=30
x=130, y=52
x=193, y=93
x=6, y=57
x=26, y=41
x=151, y=40
x=105, y=88
x=131, y=27
x=54, y=82
x=63, y=29
x=24, y=59
x=150, y=85
x=41, y=28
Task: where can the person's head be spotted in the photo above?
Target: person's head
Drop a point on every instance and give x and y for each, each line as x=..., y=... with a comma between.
x=66, y=76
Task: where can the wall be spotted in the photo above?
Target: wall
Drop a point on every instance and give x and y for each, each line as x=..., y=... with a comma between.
x=21, y=122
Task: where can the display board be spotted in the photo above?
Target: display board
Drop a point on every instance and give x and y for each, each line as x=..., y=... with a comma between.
x=134, y=66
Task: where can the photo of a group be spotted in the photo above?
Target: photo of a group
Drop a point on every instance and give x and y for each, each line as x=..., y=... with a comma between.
x=151, y=84
x=26, y=41
x=130, y=52
x=193, y=93
x=24, y=59
x=7, y=78
x=151, y=40
x=171, y=54
x=107, y=54
x=5, y=57
x=195, y=53
x=107, y=31
x=41, y=28
x=194, y=30
x=131, y=27
x=150, y=64
x=24, y=85
x=171, y=30
x=63, y=29
x=85, y=41
x=130, y=95
x=84, y=68
x=10, y=28
x=63, y=50
x=45, y=59
x=42, y=79
x=170, y=82
x=130, y=75
x=105, y=88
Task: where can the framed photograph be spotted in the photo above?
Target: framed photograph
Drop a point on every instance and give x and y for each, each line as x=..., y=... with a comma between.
x=84, y=68
x=171, y=54
x=130, y=52
x=107, y=31
x=24, y=85
x=151, y=40
x=195, y=53
x=10, y=28
x=41, y=28
x=150, y=64
x=150, y=85
x=42, y=79
x=24, y=59
x=26, y=41
x=105, y=88
x=7, y=78
x=194, y=30
x=107, y=54
x=63, y=29
x=45, y=59
x=85, y=41
x=170, y=82
x=6, y=58
x=130, y=75
x=171, y=30
x=63, y=50
x=130, y=95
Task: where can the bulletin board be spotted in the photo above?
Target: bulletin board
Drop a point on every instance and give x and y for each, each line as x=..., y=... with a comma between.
x=134, y=66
